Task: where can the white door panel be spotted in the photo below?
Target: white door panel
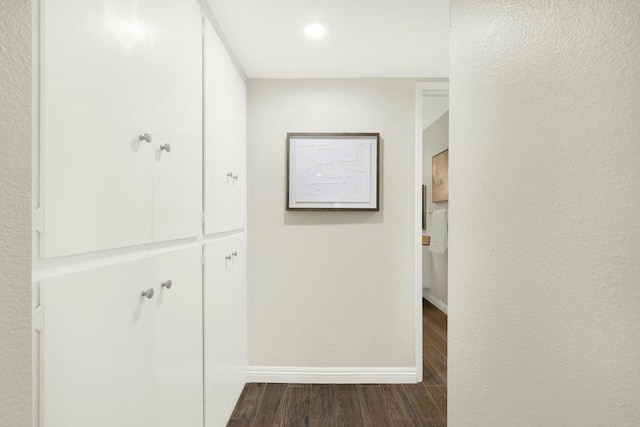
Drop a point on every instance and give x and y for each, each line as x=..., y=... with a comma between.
x=225, y=139
x=178, y=338
x=95, y=101
x=218, y=318
x=97, y=348
x=177, y=119
x=225, y=327
x=238, y=328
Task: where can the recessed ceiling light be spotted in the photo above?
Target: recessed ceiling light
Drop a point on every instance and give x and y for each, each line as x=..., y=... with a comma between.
x=316, y=30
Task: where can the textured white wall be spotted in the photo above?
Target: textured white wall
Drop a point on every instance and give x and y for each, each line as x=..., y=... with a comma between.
x=15, y=213
x=544, y=296
x=435, y=139
x=330, y=289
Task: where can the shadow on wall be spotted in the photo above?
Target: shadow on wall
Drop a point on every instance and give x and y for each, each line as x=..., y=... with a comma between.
x=332, y=218
x=341, y=217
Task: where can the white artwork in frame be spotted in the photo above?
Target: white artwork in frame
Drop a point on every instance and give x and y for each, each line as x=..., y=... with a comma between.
x=333, y=171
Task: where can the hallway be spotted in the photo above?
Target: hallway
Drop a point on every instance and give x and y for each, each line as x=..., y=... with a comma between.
x=332, y=405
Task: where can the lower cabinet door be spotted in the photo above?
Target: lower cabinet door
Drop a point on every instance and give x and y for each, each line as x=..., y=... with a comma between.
x=110, y=356
x=225, y=327
x=97, y=363
x=178, y=338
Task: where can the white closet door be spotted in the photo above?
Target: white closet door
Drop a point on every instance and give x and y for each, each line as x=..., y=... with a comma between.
x=96, y=363
x=178, y=338
x=177, y=119
x=95, y=101
x=238, y=328
x=225, y=327
x=225, y=139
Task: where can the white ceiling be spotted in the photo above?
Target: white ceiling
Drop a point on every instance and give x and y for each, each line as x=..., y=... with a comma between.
x=369, y=38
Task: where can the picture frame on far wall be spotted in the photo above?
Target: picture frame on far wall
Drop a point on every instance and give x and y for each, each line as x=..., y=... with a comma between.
x=424, y=208
x=440, y=177
x=333, y=171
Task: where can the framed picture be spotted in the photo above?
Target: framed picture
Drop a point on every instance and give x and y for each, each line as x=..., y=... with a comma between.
x=333, y=171
x=424, y=207
x=440, y=177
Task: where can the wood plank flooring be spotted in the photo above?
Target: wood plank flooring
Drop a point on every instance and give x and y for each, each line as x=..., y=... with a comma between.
x=355, y=405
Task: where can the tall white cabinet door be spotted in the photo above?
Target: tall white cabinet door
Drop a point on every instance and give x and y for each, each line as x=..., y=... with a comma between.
x=177, y=119
x=225, y=327
x=95, y=90
x=96, y=363
x=178, y=338
x=225, y=139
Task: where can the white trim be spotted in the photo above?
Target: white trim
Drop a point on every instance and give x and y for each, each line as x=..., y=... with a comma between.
x=435, y=87
x=417, y=237
x=286, y=374
x=51, y=267
x=442, y=306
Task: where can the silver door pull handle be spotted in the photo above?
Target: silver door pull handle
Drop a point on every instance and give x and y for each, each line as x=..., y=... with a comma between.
x=228, y=257
x=146, y=137
x=148, y=293
x=167, y=284
x=235, y=177
x=166, y=147
x=234, y=254
x=230, y=175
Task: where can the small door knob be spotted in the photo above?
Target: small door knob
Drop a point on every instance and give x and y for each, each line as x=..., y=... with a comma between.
x=146, y=137
x=166, y=147
x=167, y=284
x=234, y=254
x=148, y=293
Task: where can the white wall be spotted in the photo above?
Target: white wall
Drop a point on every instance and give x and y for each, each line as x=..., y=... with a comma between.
x=435, y=139
x=544, y=301
x=330, y=289
x=433, y=107
x=15, y=213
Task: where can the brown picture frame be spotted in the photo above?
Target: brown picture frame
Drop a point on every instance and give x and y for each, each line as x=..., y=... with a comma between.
x=424, y=208
x=333, y=141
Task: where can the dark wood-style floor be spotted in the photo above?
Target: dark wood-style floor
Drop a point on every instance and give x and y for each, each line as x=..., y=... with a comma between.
x=353, y=405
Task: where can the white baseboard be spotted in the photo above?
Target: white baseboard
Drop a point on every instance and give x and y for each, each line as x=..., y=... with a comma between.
x=435, y=301
x=285, y=374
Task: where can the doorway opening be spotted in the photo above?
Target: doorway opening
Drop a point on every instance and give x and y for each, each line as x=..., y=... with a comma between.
x=431, y=259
